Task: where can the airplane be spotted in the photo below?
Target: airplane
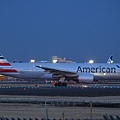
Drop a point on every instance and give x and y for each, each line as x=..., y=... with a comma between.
x=79, y=72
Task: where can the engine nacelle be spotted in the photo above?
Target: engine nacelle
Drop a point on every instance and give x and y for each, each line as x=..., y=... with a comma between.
x=85, y=78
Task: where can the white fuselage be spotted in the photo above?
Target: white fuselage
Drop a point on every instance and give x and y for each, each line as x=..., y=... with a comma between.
x=101, y=71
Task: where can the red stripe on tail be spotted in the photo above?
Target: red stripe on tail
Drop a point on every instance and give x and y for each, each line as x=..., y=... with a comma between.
x=5, y=64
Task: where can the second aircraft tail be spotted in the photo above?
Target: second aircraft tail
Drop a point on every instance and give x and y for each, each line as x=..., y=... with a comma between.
x=3, y=61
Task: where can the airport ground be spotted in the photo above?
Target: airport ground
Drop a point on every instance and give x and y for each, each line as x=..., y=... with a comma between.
x=35, y=111
x=32, y=110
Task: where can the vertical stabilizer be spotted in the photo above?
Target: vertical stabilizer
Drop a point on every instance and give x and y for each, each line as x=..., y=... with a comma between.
x=110, y=60
x=5, y=66
x=3, y=61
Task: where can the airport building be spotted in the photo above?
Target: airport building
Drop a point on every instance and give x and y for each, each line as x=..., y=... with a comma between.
x=56, y=59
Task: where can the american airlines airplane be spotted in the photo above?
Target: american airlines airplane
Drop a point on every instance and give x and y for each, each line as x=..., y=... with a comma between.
x=79, y=72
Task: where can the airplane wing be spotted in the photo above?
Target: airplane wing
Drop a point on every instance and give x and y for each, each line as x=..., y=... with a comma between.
x=59, y=72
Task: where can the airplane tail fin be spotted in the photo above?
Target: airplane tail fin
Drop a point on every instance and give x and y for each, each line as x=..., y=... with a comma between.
x=5, y=66
x=110, y=60
x=3, y=61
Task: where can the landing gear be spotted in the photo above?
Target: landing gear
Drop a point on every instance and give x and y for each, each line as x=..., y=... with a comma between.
x=60, y=84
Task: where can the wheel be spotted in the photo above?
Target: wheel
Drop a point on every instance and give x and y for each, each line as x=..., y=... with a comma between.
x=60, y=84
x=64, y=84
x=56, y=84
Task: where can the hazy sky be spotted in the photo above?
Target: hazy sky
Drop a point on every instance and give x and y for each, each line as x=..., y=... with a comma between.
x=76, y=29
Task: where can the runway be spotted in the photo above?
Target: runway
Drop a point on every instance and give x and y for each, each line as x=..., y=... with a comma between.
x=31, y=101
x=50, y=90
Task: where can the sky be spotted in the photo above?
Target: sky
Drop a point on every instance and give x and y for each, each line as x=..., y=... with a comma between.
x=76, y=29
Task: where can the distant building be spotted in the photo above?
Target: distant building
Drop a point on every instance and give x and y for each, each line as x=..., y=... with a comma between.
x=56, y=59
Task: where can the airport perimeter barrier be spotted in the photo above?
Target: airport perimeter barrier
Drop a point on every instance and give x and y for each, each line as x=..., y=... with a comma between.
x=110, y=117
x=105, y=117
x=60, y=103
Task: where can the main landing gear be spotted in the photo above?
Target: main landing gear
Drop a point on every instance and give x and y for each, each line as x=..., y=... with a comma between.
x=60, y=84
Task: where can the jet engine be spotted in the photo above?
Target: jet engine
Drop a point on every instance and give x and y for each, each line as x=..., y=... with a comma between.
x=85, y=78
